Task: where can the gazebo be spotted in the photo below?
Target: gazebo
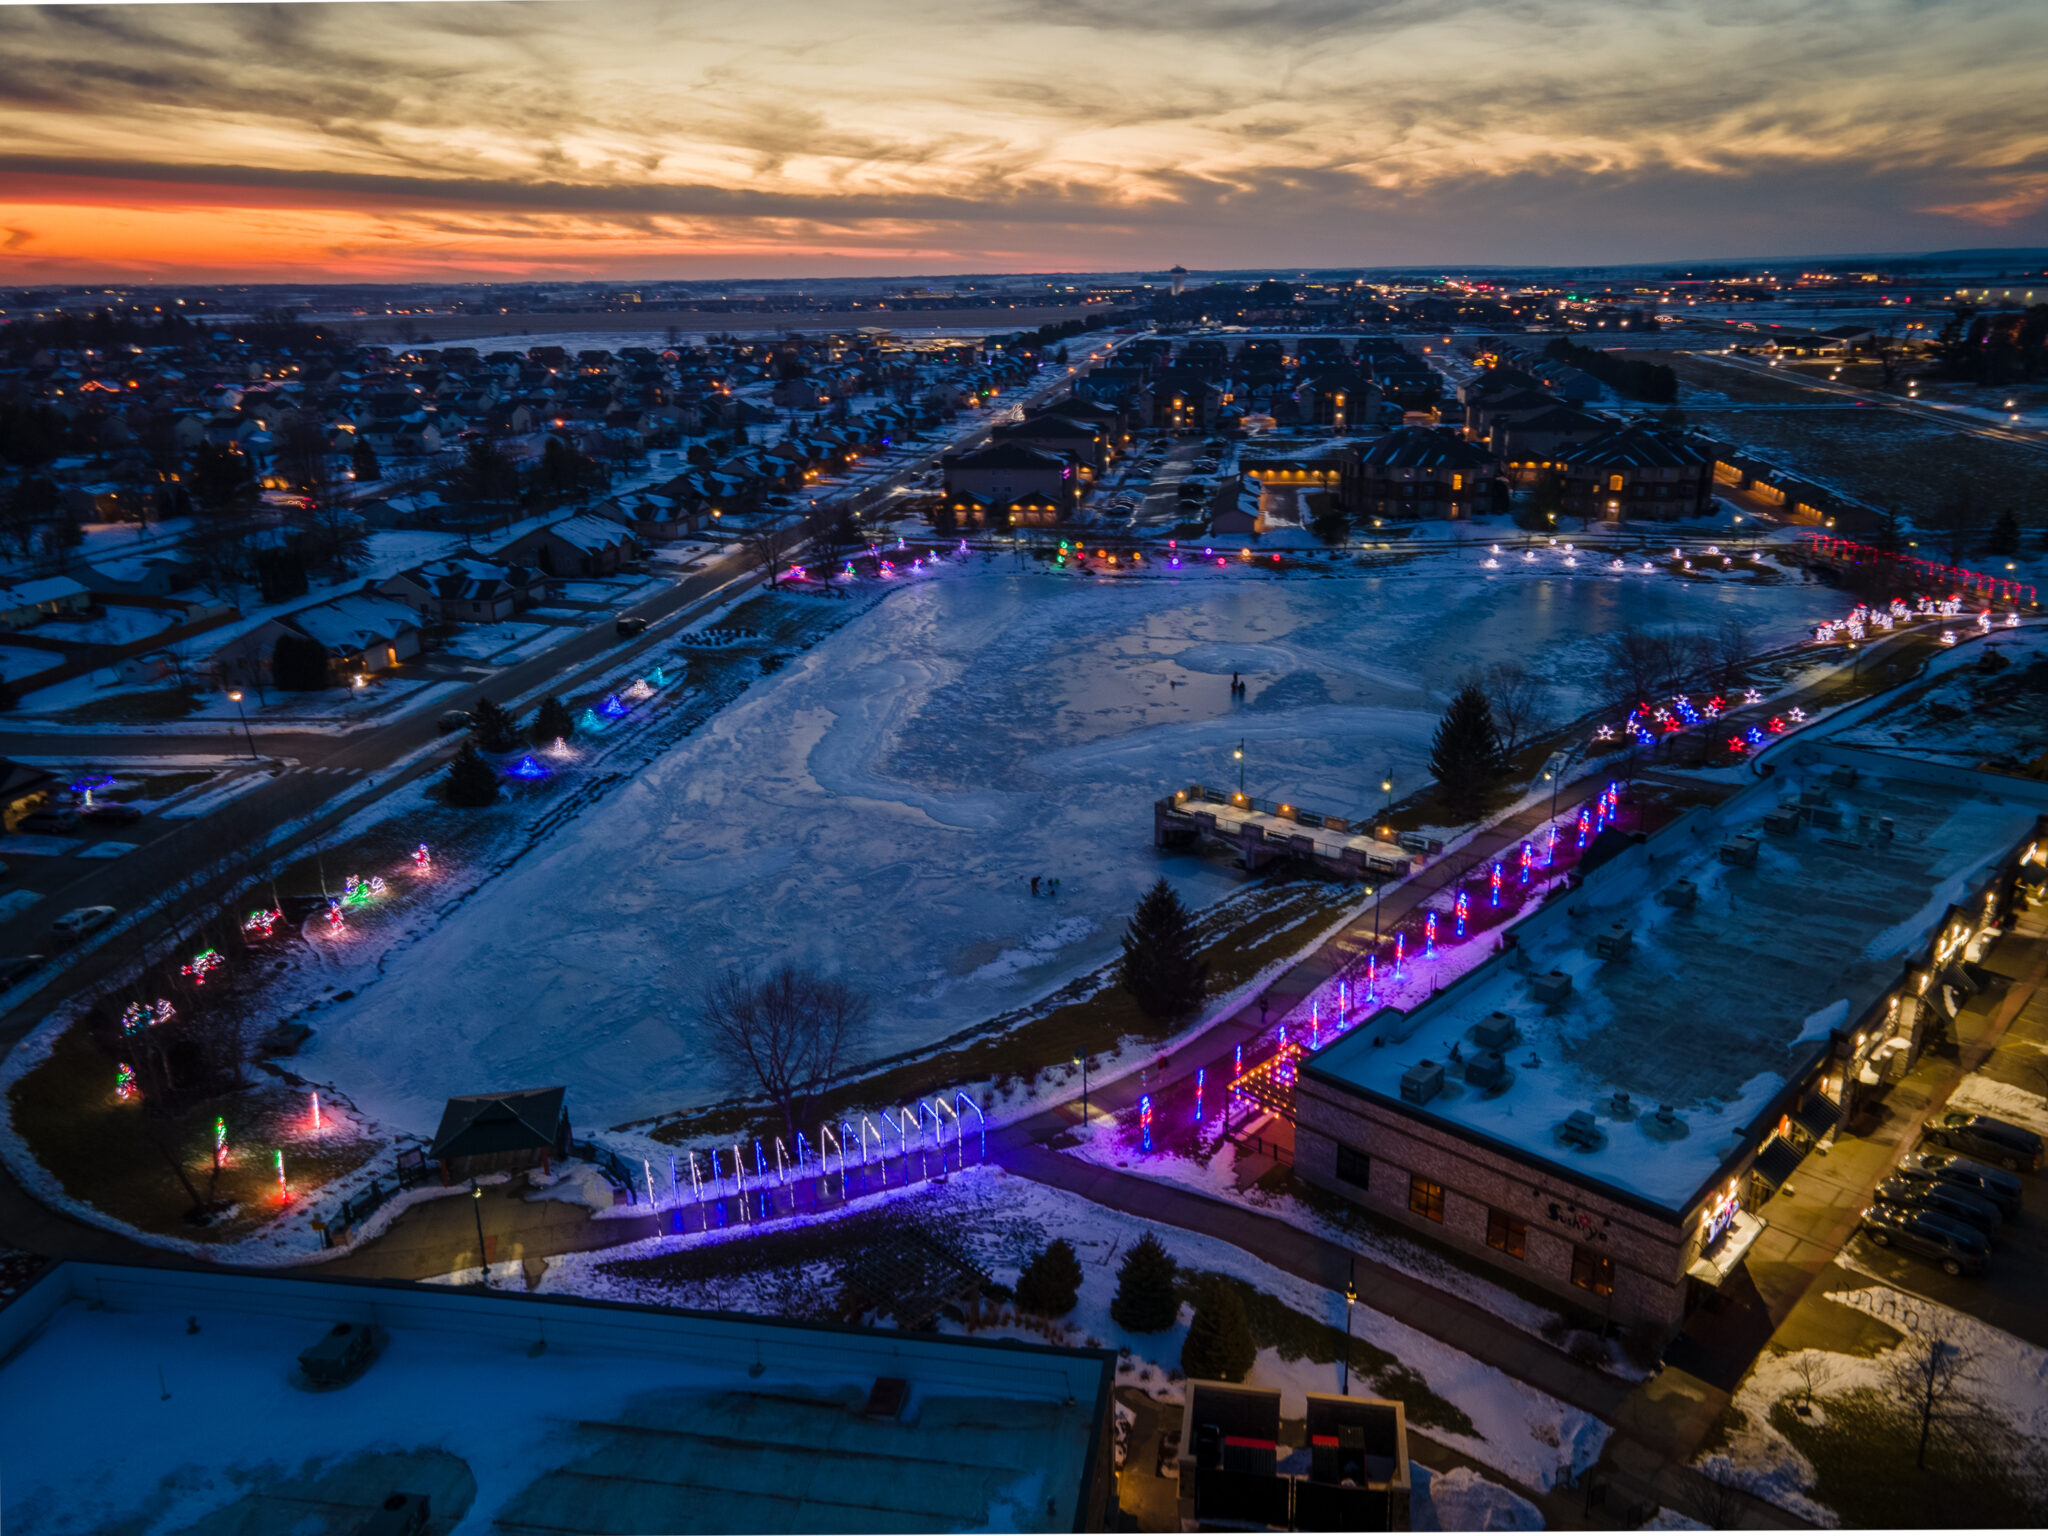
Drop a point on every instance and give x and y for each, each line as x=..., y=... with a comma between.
x=500, y=1133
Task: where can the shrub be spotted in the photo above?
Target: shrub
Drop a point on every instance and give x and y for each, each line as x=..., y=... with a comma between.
x=1051, y=1282
x=1146, y=1301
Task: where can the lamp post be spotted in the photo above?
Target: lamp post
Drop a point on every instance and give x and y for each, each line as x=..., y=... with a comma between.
x=1082, y=1063
x=1350, y=1297
x=237, y=697
x=1387, y=789
x=1238, y=753
x=1375, y=893
x=476, y=1209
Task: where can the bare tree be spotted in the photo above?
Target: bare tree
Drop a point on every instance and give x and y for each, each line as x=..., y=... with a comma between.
x=768, y=545
x=1730, y=648
x=788, y=1030
x=1520, y=703
x=1956, y=522
x=1927, y=1379
x=1641, y=664
x=1716, y=1502
x=1814, y=1372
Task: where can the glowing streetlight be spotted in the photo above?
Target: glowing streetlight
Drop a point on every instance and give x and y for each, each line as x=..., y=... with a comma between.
x=236, y=696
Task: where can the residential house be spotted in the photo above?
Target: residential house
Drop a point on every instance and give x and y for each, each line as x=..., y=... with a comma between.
x=585, y=545
x=1419, y=472
x=1639, y=471
x=46, y=597
x=1005, y=471
x=462, y=590
x=362, y=632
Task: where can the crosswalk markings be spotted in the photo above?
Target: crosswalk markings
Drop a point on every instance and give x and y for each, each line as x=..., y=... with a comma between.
x=346, y=772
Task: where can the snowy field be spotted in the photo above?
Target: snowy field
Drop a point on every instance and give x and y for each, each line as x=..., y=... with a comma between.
x=880, y=805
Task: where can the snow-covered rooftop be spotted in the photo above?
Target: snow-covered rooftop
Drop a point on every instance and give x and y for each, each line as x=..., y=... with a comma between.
x=568, y=1415
x=1714, y=1007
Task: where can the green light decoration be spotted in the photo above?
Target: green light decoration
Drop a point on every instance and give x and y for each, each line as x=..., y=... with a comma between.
x=124, y=1082
x=220, y=1142
x=284, y=1190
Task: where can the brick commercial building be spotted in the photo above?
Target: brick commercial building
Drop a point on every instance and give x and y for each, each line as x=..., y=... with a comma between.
x=1603, y=1106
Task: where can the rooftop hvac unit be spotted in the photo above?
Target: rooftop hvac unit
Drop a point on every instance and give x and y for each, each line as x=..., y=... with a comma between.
x=1783, y=821
x=1615, y=943
x=1497, y=1031
x=1739, y=851
x=1826, y=816
x=1486, y=1070
x=1845, y=777
x=1679, y=893
x=1579, y=1129
x=1813, y=795
x=1422, y=1082
x=1551, y=988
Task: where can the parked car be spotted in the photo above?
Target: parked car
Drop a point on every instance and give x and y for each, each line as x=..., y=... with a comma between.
x=626, y=626
x=1994, y=1184
x=2010, y=1146
x=14, y=967
x=454, y=720
x=1956, y=1248
x=112, y=813
x=1964, y=1205
x=79, y=921
x=51, y=818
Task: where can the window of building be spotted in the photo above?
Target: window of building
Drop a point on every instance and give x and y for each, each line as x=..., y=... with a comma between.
x=1507, y=1234
x=1592, y=1271
x=1614, y=482
x=1353, y=1166
x=1425, y=1198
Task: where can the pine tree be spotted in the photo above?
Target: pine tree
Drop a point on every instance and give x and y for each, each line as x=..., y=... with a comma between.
x=1465, y=755
x=2005, y=535
x=495, y=729
x=363, y=460
x=1219, y=1344
x=1051, y=1282
x=551, y=720
x=298, y=664
x=1146, y=1300
x=471, y=780
x=1161, y=968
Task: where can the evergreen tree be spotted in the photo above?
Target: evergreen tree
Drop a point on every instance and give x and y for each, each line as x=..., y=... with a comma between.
x=2005, y=535
x=298, y=664
x=363, y=460
x=470, y=780
x=1051, y=1282
x=1465, y=755
x=495, y=729
x=552, y=719
x=1160, y=966
x=1888, y=530
x=1146, y=1301
x=1219, y=1344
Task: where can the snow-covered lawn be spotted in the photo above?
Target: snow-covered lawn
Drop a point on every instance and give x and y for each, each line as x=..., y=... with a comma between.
x=881, y=805
x=2000, y=1407
x=999, y=1219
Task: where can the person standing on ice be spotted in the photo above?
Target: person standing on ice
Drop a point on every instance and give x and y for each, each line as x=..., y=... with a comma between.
x=1034, y=885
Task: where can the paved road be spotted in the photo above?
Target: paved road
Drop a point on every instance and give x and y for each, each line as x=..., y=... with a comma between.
x=2025, y=437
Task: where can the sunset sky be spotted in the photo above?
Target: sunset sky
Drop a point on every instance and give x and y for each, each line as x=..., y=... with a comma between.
x=624, y=140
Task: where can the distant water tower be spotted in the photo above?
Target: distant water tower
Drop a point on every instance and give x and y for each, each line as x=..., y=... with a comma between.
x=1180, y=280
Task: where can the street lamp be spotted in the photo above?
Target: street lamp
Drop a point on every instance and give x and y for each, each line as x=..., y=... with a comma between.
x=1387, y=789
x=1374, y=891
x=237, y=697
x=1350, y=1298
x=1082, y=1063
x=476, y=1209
x=1238, y=753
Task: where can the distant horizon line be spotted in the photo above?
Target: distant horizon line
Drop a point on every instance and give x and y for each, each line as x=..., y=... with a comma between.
x=1281, y=274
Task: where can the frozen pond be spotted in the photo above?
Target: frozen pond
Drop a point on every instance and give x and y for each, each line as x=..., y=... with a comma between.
x=880, y=805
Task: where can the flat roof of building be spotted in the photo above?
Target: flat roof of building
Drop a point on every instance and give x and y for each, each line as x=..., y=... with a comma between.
x=568, y=1415
x=1717, y=1007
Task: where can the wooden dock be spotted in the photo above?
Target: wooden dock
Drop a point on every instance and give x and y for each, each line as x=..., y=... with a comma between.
x=1264, y=830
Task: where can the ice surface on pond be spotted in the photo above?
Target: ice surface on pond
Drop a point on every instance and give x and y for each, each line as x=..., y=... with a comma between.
x=880, y=805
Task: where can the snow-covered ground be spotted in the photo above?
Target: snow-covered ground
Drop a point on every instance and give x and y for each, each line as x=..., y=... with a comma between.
x=999, y=1219
x=880, y=806
x=2003, y=1383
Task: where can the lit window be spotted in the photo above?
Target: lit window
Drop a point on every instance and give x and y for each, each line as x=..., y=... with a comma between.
x=1592, y=1271
x=1425, y=1197
x=1510, y=1236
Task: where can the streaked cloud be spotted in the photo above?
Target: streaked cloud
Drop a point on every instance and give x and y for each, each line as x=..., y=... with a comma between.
x=618, y=139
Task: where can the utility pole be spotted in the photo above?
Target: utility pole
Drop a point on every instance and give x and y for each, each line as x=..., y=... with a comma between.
x=1350, y=1298
x=476, y=1209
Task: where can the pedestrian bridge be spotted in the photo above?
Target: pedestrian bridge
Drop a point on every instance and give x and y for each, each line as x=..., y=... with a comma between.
x=1265, y=830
